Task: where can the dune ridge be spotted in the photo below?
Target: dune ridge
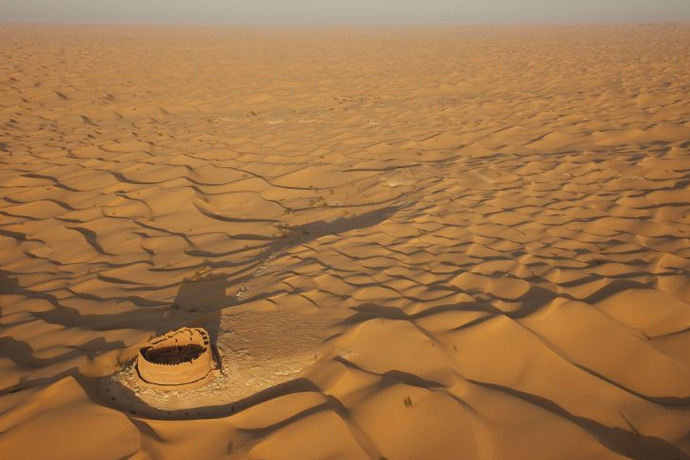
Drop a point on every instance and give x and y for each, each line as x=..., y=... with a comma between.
x=456, y=243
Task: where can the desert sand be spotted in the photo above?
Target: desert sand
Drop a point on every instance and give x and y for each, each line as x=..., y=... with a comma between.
x=452, y=243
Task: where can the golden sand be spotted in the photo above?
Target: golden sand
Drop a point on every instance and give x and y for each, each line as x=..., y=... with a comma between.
x=464, y=243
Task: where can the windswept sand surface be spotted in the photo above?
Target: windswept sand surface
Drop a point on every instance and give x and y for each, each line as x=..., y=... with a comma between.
x=441, y=244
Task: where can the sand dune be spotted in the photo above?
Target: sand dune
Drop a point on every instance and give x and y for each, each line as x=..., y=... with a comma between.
x=406, y=244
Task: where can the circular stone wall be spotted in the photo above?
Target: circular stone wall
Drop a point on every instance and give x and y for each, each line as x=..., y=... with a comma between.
x=176, y=358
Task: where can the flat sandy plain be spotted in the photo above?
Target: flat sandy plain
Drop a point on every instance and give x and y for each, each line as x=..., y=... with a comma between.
x=468, y=243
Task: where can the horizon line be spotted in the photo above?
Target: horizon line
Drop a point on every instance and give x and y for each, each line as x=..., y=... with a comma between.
x=325, y=24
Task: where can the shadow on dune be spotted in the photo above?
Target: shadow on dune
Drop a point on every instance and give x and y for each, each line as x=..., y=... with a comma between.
x=8, y=285
x=131, y=404
x=632, y=444
x=204, y=298
x=307, y=233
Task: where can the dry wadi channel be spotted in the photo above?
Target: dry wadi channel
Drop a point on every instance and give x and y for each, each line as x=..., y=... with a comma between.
x=381, y=243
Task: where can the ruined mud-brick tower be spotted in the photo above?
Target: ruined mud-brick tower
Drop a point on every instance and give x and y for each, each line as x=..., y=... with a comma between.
x=176, y=358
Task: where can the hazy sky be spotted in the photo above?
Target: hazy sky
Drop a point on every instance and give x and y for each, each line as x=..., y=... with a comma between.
x=344, y=11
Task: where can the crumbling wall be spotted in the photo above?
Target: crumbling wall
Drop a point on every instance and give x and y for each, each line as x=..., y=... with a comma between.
x=178, y=357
